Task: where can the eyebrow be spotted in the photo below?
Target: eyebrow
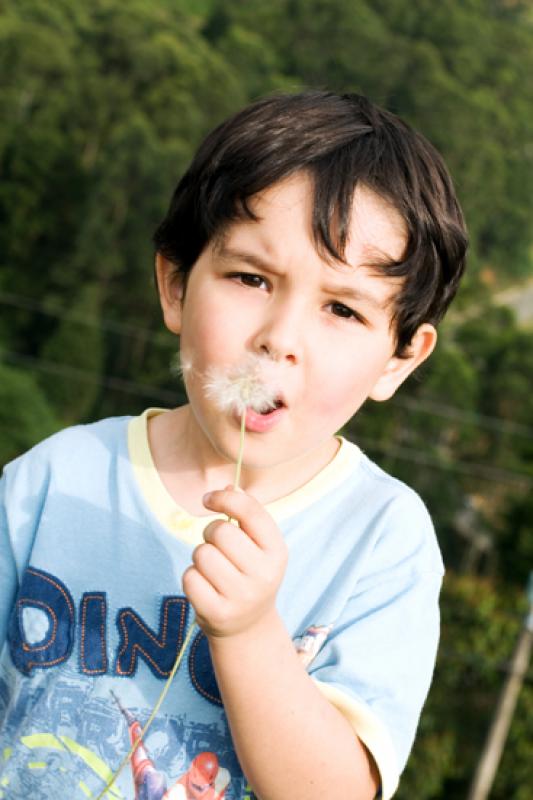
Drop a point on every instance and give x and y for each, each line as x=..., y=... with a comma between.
x=349, y=292
x=230, y=254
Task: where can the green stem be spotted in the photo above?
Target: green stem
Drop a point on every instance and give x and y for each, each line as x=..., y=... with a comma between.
x=155, y=709
x=238, y=465
x=166, y=687
x=241, y=452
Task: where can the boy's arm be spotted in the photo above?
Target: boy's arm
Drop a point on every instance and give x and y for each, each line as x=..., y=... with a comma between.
x=289, y=739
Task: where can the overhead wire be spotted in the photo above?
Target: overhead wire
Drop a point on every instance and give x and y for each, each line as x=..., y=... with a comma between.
x=475, y=470
x=474, y=418
x=109, y=382
x=170, y=397
x=427, y=406
x=430, y=407
x=53, y=308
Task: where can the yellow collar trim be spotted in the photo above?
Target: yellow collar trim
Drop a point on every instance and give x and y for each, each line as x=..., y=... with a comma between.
x=183, y=525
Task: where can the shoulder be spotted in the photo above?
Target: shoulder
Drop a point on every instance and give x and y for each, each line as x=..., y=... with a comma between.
x=66, y=453
x=406, y=527
x=394, y=518
x=64, y=477
x=385, y=490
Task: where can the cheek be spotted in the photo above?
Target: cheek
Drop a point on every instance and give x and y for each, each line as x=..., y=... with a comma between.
x=339, y=407
x=336, y=397
x=345, y=385
x=205, y=333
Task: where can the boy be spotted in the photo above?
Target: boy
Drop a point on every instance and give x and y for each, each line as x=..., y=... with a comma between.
x=321, y=236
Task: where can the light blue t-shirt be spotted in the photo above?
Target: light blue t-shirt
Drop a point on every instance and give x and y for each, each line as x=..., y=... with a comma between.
x=92, y=615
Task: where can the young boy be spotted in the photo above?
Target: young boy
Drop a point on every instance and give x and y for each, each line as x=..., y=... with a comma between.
x=321, y=236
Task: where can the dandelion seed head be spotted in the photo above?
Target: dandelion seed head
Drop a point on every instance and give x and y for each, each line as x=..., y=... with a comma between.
x=180, y=366
x=248, y=384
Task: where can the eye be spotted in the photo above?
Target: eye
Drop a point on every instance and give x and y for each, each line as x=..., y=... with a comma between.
x=340, y=310
x=251, y=279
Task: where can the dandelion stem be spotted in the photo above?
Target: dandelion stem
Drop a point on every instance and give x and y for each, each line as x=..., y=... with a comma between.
x=155, y=709
x=238, y=465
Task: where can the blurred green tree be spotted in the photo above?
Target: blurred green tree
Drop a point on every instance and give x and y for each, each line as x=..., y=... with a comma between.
x=480, y=625
x=78, y=346
x=25, y=414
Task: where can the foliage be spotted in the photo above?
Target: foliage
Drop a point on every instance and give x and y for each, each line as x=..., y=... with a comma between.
x=480, y=626
x=468, y=443
x=25, y=415
x=75, y=342
x=101, y=107
x=458, y=71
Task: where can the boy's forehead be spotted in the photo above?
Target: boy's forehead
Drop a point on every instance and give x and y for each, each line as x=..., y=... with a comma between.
x=377, y=232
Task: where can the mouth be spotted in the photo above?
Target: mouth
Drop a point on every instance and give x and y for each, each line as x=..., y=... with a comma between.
x=263, y=421
x=278, y=403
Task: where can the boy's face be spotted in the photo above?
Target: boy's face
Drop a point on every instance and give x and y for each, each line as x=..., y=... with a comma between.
x=263, y=288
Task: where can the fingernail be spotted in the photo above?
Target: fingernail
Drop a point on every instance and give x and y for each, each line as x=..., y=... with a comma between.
x=207, y=497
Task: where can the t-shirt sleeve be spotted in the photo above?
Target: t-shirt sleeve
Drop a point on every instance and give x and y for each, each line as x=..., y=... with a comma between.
x=377, y=663
x=8, y=567
x=23, y=485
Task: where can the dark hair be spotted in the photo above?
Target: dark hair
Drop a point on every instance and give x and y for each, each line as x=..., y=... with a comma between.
x=340, y=140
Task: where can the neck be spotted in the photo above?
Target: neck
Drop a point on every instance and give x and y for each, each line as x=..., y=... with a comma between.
x=189, y=467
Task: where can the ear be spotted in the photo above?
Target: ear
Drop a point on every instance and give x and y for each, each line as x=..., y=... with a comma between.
x=170, y=288
x=398, y=369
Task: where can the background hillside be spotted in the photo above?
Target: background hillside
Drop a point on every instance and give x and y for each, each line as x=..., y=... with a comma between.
x=101, y=106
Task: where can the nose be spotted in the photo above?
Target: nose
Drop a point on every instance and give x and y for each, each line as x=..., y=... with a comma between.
x=280, y=332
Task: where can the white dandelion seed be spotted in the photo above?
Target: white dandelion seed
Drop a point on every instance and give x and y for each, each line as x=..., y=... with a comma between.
x=248, y=384
x=180, y=366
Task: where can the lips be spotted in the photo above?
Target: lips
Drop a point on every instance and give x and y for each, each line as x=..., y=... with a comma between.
x=261, y=423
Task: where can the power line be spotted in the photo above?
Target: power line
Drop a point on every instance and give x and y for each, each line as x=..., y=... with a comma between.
x=470, y=417
x=483, y=472
x=110, y=382
x=519, y=479
x=522, y=480
x=54, y=309
x=430, y=407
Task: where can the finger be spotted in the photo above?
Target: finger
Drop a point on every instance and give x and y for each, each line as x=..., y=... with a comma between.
x=234, y=544
x=249, y=512
x=223, y=576
x=205, y=600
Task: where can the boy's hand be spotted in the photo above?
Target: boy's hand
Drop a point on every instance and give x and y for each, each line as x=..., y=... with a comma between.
x=235, y=575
